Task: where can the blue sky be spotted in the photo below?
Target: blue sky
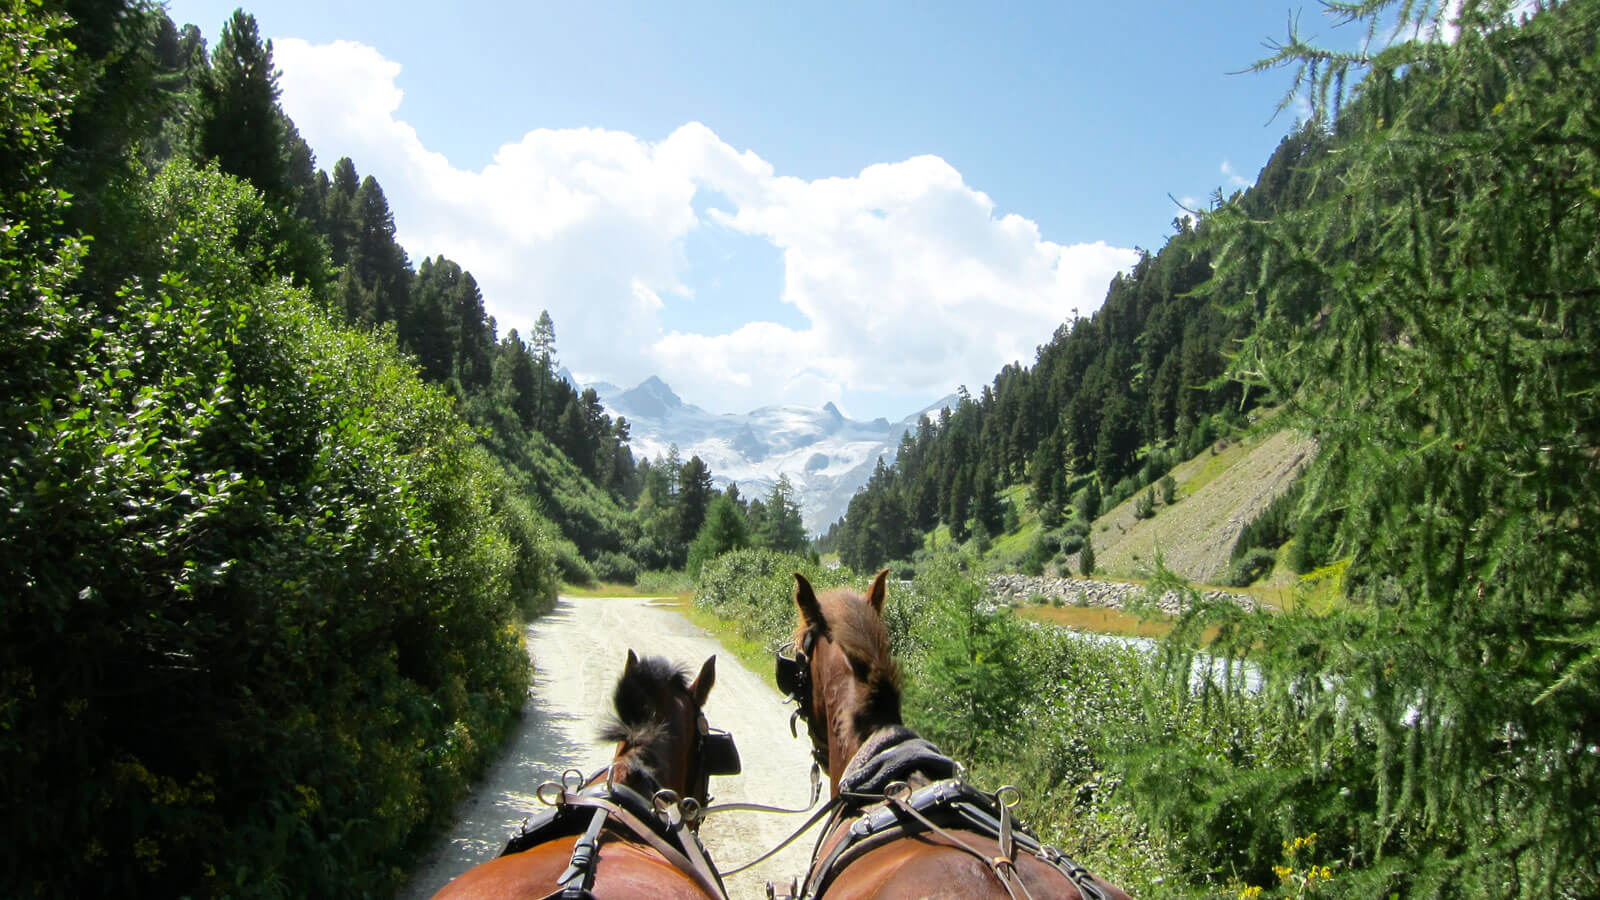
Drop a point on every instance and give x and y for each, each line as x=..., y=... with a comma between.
x=769, y=203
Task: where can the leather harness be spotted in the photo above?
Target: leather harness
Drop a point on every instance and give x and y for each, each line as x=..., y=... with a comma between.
x=899, y=811
x=667, y=822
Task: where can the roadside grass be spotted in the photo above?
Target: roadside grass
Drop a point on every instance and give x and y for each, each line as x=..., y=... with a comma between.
x=754, y=656
x=616, y=589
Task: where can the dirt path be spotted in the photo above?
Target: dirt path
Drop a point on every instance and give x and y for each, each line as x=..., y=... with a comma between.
x=578, y=652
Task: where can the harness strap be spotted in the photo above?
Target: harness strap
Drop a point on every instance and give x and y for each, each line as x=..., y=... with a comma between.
x=703, y=877
x=1004, y=867
x=579, y=876
x=872, y=830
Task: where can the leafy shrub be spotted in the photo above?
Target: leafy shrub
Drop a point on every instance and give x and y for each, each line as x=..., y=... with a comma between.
x=664, y=581
x=1249, y=569
x=268, y=576
x=901, y=569
x=616, y=568
x=571, y=565
x=755, y=588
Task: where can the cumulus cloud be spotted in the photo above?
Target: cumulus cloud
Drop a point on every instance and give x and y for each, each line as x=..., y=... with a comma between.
x=908, y=280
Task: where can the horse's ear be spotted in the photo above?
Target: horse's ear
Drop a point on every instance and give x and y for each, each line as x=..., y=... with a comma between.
x=806, y=599
x=880, y=587
x=633, y=662
x=703, y=682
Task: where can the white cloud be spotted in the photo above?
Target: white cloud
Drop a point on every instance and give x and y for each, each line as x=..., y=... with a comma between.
x=1234, y=178
x=908, y=280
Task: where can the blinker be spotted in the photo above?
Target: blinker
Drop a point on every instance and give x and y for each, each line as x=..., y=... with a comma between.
x=718, y=753
x=788, y=675
x=793, y=672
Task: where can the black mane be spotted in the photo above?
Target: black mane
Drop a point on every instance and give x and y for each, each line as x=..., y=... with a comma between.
x=638, y=722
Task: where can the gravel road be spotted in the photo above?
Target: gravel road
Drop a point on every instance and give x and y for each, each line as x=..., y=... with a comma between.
x=578, y=651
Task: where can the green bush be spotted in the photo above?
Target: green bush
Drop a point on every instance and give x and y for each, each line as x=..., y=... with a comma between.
x=755, y=588
x=1250, y=568
x=261, y=590
x=615, y=568
x=901, y=569
x=571, y=565
x=664, y=582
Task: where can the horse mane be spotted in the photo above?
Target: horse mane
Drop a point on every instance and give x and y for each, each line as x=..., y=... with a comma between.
x=638, y=722
x=858, y=630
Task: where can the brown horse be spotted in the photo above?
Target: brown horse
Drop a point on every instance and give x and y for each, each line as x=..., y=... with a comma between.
x=628, y=830
x=903, y=826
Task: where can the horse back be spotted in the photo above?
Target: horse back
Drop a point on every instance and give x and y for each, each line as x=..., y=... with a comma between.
x=927, y=865
x=625, y=870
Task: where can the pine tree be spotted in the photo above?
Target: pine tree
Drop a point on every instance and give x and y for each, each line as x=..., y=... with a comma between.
x=781, y=526
x=379, y=282
x=340, y=214
x=694, y=498
x=724, y=530
x=969, y=686
x=236, y=119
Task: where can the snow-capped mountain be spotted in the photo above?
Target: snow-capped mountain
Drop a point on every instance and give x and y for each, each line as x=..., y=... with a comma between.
x=826, y=456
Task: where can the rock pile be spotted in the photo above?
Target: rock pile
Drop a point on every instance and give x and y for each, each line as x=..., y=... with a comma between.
x=1013, y=590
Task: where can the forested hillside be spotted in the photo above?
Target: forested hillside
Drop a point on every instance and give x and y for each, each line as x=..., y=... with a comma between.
x=1413, y=282
x=1111, y=402
x=275, y=499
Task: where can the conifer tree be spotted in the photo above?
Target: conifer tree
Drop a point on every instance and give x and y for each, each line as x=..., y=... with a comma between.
x=781, y=526
x=237, y=121
x=340, y=214
x=694, y=498
x=724, y=530
x=1447, y=368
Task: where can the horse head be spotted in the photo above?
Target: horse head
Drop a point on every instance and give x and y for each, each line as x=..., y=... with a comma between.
x=842, y=675
x=663, y=739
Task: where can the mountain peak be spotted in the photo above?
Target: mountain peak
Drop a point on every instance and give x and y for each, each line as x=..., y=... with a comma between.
x=832, y=410
x=651, y=398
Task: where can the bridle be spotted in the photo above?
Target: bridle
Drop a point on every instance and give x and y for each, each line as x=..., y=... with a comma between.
x=793, y=674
